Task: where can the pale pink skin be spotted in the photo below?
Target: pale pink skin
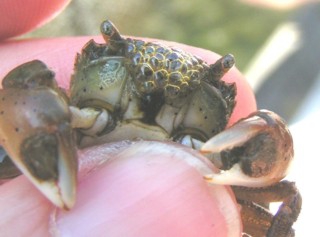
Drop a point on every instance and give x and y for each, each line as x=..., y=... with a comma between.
x=279, y=5
x=18, y=17
x=135, y=193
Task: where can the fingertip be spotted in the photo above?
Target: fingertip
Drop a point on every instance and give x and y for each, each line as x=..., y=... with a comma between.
x=18, y=17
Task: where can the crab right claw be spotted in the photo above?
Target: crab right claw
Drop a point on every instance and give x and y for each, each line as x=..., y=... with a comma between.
x=35, y=131
x=254, y=152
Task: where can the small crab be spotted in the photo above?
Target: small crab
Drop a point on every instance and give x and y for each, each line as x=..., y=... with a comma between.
x=132, y=89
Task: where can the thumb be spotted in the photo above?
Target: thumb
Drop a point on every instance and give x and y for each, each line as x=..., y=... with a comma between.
x=140, y=189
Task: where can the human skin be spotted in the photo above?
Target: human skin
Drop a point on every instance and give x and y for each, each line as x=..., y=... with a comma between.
x=280, y=5
x=142, y=189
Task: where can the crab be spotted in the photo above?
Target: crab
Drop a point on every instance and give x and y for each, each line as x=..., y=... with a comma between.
x=131, y=89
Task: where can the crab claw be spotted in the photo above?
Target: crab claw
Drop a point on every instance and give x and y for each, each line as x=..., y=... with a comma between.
x=36, y=133
x=254, y=152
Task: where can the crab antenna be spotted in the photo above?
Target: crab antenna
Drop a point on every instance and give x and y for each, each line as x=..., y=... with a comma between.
x=222, y=66
x=111, y=35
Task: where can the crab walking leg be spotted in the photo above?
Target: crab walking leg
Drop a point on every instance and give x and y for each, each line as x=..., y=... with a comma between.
x=257, y=220
x=255, y=152
x=90, y=119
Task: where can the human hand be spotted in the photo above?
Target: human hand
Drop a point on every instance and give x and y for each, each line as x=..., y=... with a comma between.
x=143, y=189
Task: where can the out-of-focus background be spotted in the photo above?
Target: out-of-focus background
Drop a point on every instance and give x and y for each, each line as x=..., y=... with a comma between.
x=277, y=48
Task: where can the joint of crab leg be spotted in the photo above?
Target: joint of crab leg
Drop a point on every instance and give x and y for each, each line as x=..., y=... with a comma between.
x=256, y=151
x=222, y=66
x=83, y=118
x=90, y=121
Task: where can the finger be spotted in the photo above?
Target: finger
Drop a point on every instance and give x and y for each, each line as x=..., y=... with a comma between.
x=59, y=55
x=18, y=17
x=145, y=189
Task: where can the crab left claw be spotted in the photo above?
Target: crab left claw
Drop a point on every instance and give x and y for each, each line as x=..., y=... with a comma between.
x=254, y=152
x=36, y=133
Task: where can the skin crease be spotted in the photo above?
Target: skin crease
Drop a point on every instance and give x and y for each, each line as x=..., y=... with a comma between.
x=20, y=201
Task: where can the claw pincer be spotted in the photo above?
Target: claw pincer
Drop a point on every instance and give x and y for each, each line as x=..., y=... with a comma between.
x=36, y=133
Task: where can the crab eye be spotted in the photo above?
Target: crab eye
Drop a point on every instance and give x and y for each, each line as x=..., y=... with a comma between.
x=110, y=33
x=107, y=28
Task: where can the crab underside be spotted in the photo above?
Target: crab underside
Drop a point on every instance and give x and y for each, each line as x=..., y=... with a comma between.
x=131, y=89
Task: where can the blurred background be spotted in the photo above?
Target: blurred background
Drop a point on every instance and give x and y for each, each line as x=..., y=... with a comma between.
x=275, y=46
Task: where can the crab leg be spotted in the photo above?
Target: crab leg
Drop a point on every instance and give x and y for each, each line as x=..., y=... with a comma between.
x=257, y=220
x=36, y=133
